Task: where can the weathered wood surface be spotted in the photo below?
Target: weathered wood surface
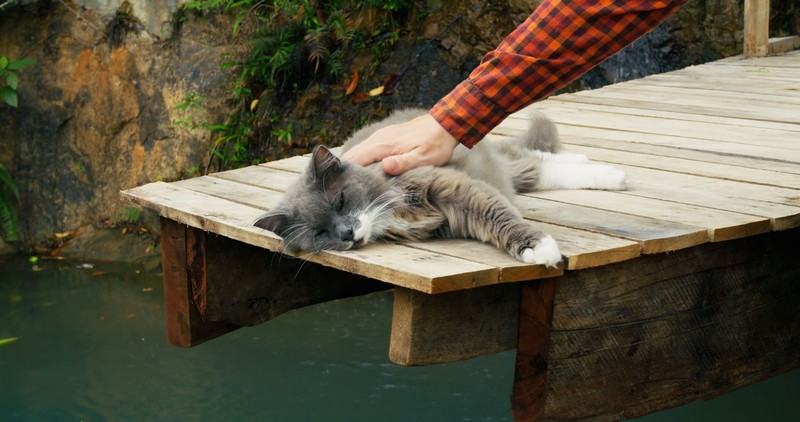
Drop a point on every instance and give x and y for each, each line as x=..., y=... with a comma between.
x=756, y=32
x=712, y=153
x=183, y=285
x=453, y=326
x=214, y=285
x=661, y=330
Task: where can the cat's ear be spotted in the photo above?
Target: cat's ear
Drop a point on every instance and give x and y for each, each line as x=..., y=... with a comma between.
x=324, y=162
x=274, y=222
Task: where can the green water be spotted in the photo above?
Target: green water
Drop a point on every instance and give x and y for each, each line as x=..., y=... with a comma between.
x=90, y=347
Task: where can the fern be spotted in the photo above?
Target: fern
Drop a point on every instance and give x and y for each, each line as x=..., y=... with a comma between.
x=8, y=218
x=317, y=43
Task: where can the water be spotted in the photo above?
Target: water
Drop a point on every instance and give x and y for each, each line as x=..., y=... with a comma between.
x=90, y=347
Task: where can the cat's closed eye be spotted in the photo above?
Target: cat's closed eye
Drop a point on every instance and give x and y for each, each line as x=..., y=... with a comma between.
x=338, y=202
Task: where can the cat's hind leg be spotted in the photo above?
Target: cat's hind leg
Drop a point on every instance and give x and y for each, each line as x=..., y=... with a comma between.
x=554, y=174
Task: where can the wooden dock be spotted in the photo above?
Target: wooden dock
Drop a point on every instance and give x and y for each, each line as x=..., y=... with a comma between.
x=685, y=286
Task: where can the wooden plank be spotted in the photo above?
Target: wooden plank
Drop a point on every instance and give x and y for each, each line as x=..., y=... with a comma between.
x=686, y=143
x=510, y=269
x=742, y=112
x=182, y=265
x=533, y=350
x=653, y=235
x=295, y=164
x=735, y=190
x=259, y=176
x=780, y=45
x=748, y=74
x=721, y=225
x=781, y=216
x=395, y=264
x=682, y=128
x=700, y=157
x=249, y=195
x=432, y=329
x=675, y=94
x=681, y=165
x=584, y=249
x=663, y=330
x=789, y=59
x=718, y=84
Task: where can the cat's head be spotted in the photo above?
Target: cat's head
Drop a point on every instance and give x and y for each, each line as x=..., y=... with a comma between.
x=335, y=205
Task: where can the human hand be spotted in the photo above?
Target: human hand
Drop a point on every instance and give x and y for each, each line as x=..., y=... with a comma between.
x=401, y=147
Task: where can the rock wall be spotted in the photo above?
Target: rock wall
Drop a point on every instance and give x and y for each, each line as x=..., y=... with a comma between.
x=96, y=113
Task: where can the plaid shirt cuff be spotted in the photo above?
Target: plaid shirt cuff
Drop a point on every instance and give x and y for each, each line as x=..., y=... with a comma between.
x=468, y=114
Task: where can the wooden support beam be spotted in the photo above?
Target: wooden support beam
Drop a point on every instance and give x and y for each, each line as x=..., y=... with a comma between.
x=756, y=28
x=783, y=44
x=533, y=349
x=448, y=327
x=214, y=285
x=183, y=260
x=661, y=330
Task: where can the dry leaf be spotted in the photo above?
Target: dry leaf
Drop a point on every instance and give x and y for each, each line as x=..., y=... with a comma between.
x=352, y=84
x=390, y=84
x=360, y=98
x=374, y=92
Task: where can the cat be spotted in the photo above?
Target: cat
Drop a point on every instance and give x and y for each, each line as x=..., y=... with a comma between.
x=338, y=205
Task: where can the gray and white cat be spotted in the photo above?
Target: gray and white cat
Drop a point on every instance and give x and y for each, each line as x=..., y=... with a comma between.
x=339, y=205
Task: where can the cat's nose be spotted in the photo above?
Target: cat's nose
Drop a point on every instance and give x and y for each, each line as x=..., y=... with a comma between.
x=346, y=234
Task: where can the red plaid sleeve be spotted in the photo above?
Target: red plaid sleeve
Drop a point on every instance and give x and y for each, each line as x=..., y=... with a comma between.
x=559, y=42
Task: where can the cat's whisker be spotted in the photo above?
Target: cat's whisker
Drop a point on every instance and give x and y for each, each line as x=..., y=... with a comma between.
x=305, y=259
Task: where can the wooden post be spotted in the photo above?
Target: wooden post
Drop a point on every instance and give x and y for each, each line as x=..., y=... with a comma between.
x=756, y=28
x=533, y=349
x=453, y=326
x=183, y=261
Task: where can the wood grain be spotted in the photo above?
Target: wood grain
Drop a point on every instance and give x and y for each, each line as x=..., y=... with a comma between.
x=663, y=330
x=448, y=327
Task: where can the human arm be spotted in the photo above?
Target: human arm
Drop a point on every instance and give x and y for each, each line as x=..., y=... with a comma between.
x=559, y=42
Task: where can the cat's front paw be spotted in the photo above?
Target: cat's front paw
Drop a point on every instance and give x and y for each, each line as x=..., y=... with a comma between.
x=609, y=178
x=544, y=253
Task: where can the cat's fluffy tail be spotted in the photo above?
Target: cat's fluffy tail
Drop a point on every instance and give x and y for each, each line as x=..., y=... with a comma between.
x=527, y=150
x=542, y=134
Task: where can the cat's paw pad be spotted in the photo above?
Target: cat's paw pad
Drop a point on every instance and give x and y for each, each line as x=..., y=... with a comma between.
x=609, y=178
x=544, y=253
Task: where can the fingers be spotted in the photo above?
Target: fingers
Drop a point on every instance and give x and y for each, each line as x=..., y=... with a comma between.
x=395, y=165
x=405, y=146
x=362, y=154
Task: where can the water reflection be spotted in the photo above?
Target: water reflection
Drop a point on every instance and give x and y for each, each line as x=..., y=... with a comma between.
x=91, y=347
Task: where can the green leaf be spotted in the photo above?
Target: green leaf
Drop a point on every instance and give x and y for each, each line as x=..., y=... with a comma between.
x=8, y=182
x=12, y=80
x=20, y=64
x=8, y=220
x=3, y=62
x=9, y=95
x=8, y=340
